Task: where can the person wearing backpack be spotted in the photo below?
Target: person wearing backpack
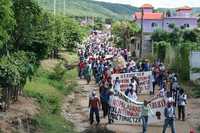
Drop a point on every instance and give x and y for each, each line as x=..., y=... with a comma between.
x=182, y=101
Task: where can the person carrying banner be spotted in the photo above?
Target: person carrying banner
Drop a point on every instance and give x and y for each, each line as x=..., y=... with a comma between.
x=169, y=113
x=144, y=115
x=130, y=86
x=134, y=82
x=132, y=95
x=94, y=105
x=117, y=84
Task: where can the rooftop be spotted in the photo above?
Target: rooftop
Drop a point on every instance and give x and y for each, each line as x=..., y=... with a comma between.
x=146, y=6
x=148, y=15
x=184, y=8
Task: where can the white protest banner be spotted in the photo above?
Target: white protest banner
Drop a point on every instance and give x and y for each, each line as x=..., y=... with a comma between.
x=144, y=78
x=125, y=110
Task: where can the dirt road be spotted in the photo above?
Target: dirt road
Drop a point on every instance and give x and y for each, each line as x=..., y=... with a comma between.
x=76, y=110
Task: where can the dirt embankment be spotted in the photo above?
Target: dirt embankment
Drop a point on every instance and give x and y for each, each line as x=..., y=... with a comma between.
x=18, y=118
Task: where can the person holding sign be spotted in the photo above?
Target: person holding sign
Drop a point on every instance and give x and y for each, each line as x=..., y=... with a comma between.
x=145, y=114
x=117, y=84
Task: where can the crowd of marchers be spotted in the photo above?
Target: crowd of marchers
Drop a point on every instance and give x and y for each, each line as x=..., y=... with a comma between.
x=99, y=60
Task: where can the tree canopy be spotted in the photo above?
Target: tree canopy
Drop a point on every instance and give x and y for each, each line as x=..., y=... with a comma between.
x=123, y=31
x=28, y=34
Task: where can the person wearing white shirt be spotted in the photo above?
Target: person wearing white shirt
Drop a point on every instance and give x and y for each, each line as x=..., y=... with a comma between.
x=117, y=84
x=181, y=105
x=132, y=95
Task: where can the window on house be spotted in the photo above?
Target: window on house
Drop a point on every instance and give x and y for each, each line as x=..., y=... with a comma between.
x=154, y=24
x=186, y=25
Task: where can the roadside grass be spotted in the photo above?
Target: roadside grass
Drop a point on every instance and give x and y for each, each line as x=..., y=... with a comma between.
x=69, y=57
x=49, y=86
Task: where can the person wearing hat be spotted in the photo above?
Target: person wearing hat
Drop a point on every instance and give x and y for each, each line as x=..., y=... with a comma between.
x=169, y=113
x=94, y=105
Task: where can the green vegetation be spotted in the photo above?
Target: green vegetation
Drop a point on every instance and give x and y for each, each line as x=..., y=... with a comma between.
x=28, y=35
x=91, y=8
x=174, y=47
x=123, y=31
x=49, y=89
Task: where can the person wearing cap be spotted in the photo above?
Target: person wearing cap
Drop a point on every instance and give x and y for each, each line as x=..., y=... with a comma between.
x=94, y=105
x=169, y=113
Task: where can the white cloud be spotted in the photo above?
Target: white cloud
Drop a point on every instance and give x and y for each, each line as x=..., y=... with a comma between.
x=159, y=3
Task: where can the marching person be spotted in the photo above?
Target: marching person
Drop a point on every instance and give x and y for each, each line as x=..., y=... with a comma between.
x=111, y=97
x=94, y=105
x=145, y=114
x=89, y=72
x=169, y=113
x=132, y=95
x=181, y=105
x=130, y=86
x=117, y=84
x=104, y=97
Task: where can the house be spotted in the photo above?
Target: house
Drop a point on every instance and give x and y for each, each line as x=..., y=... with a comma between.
x=154, y=20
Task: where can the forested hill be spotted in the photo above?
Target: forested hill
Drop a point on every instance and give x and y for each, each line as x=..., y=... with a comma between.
x=91, y=8
x=96, y=8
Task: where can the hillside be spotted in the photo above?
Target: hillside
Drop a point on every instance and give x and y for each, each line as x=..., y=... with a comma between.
x=96, y=8
x=90, y=8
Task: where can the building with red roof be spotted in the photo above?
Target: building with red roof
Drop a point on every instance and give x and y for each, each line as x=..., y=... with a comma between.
x=159, y=20
x=154, y=20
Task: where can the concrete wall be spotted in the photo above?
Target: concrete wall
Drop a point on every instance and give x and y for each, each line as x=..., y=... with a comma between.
x=194, y=63
x=147, y=25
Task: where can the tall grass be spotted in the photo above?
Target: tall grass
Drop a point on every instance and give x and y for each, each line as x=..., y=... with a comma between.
x=49, y=88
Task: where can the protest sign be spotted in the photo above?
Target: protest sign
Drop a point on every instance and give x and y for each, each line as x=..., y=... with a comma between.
x=124, y=109
x=144, y=78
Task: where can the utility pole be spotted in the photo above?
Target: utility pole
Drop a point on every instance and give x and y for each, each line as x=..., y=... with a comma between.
x=141, y=37
x=54, y=7
x=64, y=7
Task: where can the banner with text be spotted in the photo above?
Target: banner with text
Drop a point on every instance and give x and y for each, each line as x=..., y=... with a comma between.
x=125, y=110
x=144, y=78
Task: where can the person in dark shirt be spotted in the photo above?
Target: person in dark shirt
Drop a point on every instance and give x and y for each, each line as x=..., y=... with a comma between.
x=169, y=113
x=94, y=105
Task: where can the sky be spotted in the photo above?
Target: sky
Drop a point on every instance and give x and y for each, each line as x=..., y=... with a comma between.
x=158, y=3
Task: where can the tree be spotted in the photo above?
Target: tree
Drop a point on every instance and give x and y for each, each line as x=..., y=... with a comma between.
x=159, y=35
x=160, y=49
x=123, y=31
x=6, y=24
x=26, y=16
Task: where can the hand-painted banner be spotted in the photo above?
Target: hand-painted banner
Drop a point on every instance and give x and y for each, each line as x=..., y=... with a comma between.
x=124, y=109
x=144, y=78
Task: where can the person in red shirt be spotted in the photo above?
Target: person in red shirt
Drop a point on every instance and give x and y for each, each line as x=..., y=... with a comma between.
x=81, y=68
x=94, y=105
